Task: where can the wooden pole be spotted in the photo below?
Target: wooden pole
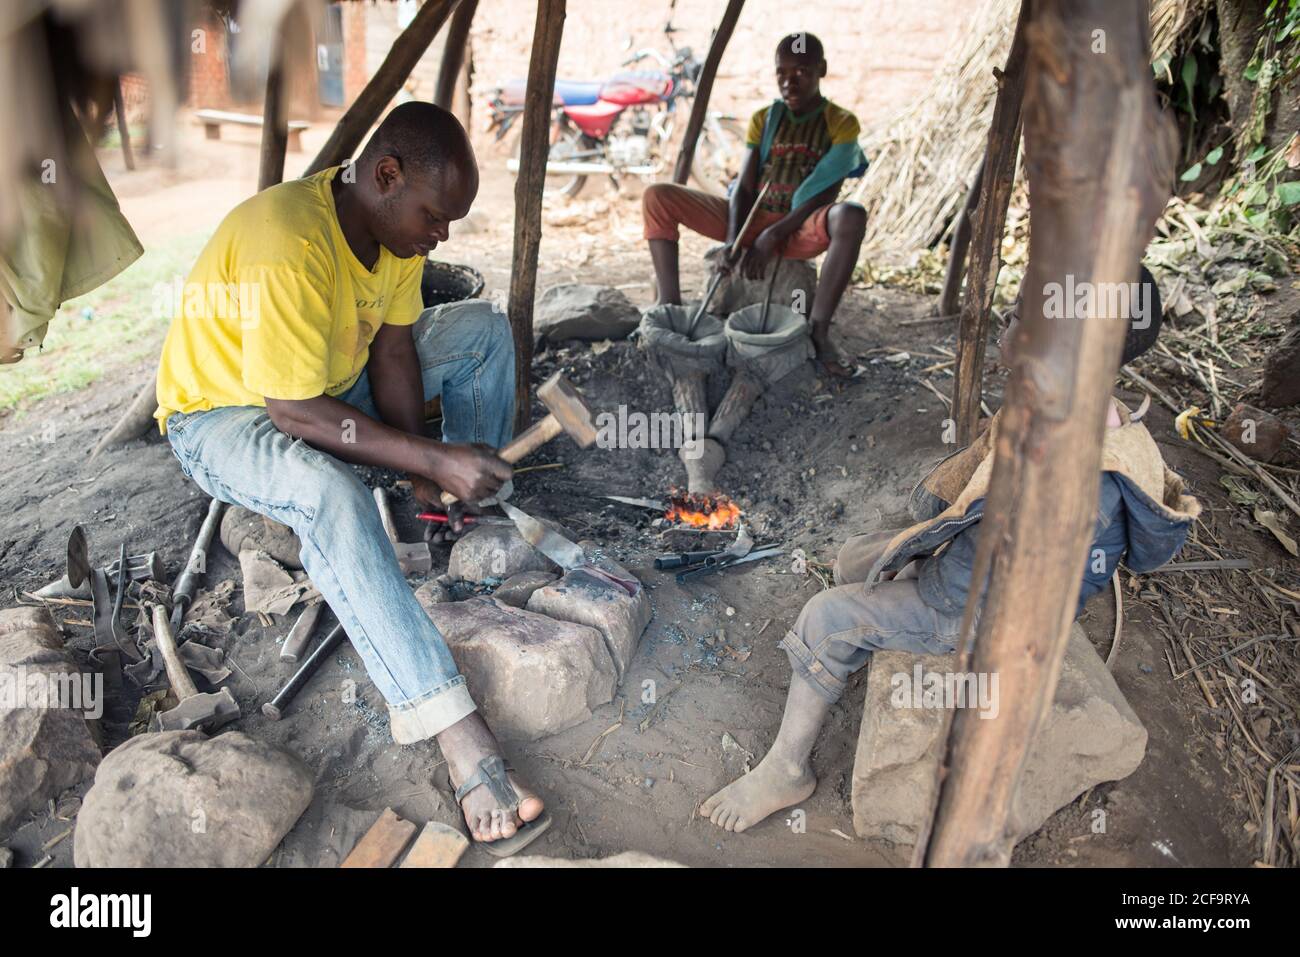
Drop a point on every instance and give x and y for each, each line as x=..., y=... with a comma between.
x=1100, y=159
x=534, y=148
x=453, y=53
x=704, y=88
x=275, y=118
x=119, y=107
x=961, y=230
x=383, y=86
x=986, y=236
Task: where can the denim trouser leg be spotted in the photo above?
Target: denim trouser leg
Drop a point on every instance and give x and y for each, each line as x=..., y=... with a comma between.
x=237, y=455
x=837, y=630
x=467, y=356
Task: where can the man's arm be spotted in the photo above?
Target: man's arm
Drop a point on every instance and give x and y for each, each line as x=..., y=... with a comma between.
x=395, y=380
x=470, y=472
x=771, y=239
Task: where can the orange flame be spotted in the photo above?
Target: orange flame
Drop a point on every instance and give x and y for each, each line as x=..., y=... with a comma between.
x=703, y=511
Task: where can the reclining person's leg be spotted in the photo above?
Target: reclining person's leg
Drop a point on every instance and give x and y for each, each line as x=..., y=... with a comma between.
x=834, y=636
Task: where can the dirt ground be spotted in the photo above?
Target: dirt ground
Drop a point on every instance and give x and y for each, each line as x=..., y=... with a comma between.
x=814, y=463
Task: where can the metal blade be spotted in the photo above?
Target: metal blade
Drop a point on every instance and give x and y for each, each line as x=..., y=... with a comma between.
x=640, y=502
x=550, y=543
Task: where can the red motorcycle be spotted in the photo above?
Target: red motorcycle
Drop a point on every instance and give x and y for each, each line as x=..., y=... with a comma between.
x=622, y=126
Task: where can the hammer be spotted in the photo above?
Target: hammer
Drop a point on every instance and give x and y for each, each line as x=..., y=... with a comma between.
x=412, y=557
x=566, y=413
x=207, y=711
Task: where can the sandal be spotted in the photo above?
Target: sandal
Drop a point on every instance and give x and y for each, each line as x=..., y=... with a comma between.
x=492, y=772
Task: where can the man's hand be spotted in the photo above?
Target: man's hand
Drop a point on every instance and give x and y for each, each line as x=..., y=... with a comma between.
x=727, y=259
x=469, y=472
x=766, y=247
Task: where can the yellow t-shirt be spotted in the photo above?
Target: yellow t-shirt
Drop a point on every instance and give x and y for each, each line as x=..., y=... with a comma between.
x=278, y=306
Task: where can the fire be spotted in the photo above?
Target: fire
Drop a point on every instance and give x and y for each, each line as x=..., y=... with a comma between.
x=703, y=511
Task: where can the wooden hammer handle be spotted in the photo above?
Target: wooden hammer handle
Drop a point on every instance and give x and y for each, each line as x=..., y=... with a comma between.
x=524, y=444
x=181, y=681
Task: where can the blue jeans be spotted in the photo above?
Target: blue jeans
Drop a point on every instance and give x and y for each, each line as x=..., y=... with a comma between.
x=237, y=455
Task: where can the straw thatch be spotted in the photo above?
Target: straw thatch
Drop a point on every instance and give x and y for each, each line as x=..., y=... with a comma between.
x=924, y=158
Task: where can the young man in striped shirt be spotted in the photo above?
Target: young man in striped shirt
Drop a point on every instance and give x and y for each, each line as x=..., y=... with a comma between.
x=802, y=147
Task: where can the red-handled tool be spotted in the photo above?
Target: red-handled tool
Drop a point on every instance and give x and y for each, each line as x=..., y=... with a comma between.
x=441, y=518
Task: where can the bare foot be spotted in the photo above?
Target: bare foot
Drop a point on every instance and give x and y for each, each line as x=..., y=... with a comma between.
x=464, y=744
x=766, y=789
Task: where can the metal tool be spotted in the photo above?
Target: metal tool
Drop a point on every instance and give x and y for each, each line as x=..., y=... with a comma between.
x=110, y=636
x=442, y=518
x=563, y=552
x=550, y=543
x=718, y=565
x=414, y=558
x=205, y=711
x=639, y=502
x=274, y=709
x=717, y=273
x=566, y=412
x=299, y=637
x=196, y=566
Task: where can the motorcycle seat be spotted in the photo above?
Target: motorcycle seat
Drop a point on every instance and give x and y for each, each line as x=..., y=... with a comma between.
x=567, y=92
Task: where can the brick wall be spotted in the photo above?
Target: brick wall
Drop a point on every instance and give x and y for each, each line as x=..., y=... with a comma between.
x=881, y=53
x=209, y=77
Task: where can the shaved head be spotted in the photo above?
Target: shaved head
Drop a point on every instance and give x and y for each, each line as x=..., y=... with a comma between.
x=416, y=176
x=426, y=139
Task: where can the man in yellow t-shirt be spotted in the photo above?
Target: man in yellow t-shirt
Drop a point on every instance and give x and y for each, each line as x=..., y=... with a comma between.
x=298, y=345
x=801, y=147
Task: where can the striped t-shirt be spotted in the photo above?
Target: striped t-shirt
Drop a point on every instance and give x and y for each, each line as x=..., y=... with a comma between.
x=798, y=145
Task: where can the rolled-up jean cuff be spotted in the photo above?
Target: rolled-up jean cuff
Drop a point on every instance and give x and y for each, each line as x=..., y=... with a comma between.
x=807, y=667
x=431, y=714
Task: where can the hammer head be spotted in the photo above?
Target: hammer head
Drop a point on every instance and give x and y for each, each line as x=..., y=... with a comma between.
x=413, y=558
x=204, y=711
x=563, y=401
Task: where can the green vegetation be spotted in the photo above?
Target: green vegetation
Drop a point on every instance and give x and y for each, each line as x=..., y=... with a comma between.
x=109, y=327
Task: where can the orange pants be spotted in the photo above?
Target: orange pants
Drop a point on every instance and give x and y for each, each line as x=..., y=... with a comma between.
x=667, y=206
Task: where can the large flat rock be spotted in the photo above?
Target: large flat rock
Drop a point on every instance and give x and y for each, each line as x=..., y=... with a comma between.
x=46, y=743
x=587, y=599
x=575, y=310
x=182, y=799
x=1090, y=736
x=530, y=674
x=497, y=552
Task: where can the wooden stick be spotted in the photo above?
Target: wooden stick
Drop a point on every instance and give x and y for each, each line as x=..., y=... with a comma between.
x=1091, y=122
x=453, y=54
x=123, y=133
x=704, y=89
x=275, y=118
x=534, y=150
x=726, y=254
x=402, y=57
x=950, y=298
x=986, y=235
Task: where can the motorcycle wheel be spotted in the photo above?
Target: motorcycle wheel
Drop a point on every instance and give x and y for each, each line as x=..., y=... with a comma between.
x=718, y=156
x=566, y=185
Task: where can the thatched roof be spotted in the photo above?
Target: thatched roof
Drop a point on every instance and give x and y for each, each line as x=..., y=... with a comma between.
x=924, y=158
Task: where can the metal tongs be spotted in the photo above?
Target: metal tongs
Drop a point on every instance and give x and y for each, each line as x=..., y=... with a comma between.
x=694, y=564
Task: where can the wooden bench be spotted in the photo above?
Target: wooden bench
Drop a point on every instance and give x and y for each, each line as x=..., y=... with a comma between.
x=212, y=120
